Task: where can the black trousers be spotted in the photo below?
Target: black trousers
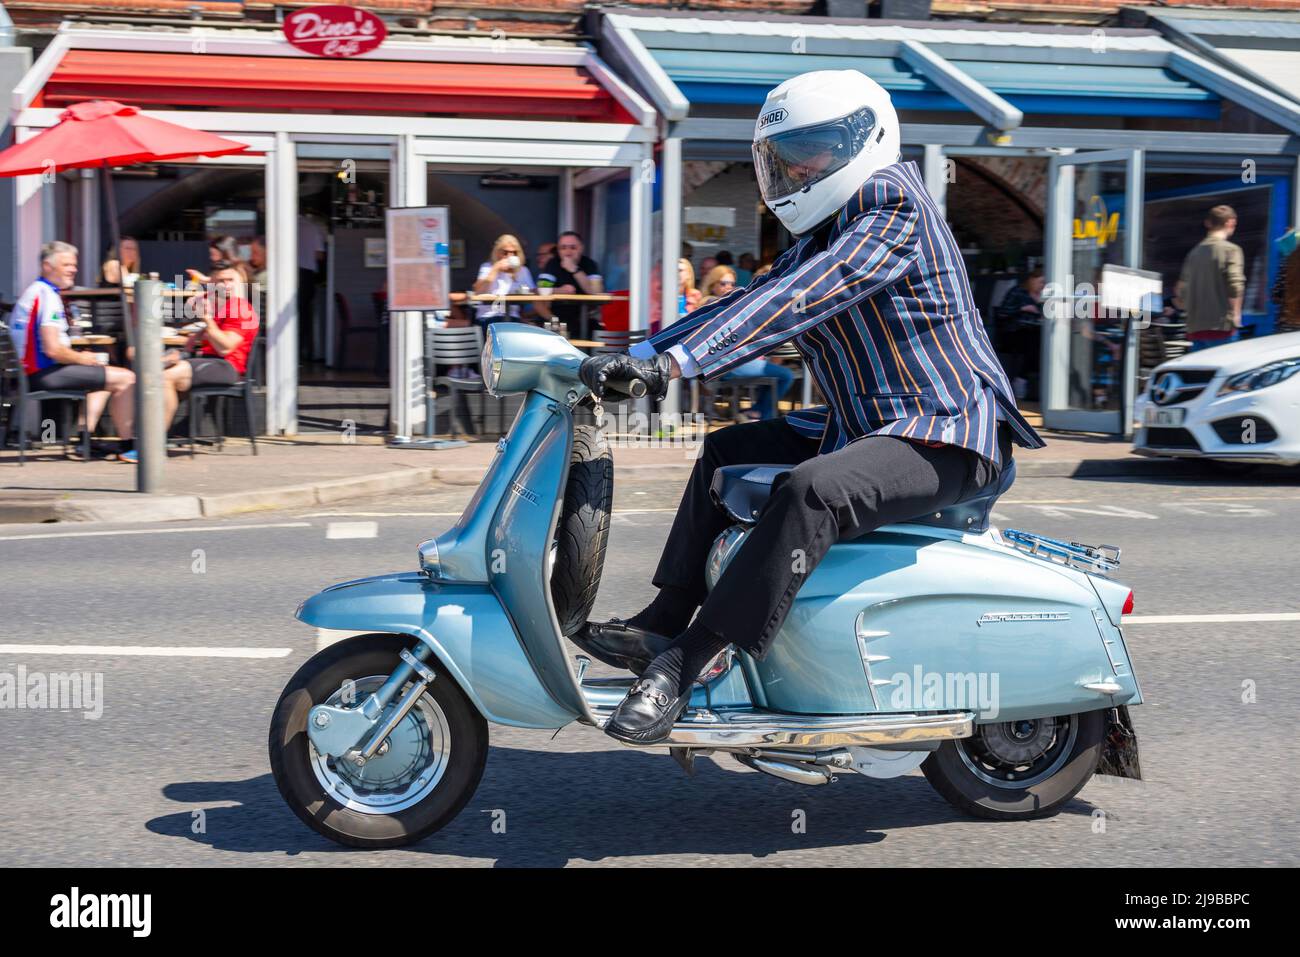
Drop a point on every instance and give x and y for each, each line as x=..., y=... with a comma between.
x=874, y=481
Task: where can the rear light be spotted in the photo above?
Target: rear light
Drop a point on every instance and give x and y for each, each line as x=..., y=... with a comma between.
x=1128, y=605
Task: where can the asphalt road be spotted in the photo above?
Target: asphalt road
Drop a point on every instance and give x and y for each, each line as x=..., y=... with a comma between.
x=174, y=770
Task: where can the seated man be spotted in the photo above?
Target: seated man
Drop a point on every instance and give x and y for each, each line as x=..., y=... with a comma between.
x=875, y=297
x=38, y=326
x=569, y=272
x=229, y=328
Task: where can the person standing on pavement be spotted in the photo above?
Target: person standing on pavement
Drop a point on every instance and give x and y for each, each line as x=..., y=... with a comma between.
x=311, y=257
x=1212, y=284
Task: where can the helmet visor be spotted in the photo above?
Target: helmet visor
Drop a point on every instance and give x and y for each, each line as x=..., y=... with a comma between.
x=796, y=160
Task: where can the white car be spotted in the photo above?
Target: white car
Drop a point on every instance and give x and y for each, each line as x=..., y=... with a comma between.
x=1238, y=402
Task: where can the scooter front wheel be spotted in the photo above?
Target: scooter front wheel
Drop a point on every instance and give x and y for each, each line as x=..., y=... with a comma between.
x=1016, y=770
x=423, y=774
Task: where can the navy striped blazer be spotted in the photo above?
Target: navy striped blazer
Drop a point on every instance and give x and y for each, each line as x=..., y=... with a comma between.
x=878, y=304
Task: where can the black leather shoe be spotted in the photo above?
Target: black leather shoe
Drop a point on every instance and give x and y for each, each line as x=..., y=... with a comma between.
x=647, y=714
x=617, y=643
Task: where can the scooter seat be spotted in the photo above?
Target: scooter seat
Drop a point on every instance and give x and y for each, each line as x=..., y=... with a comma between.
x=741, y=490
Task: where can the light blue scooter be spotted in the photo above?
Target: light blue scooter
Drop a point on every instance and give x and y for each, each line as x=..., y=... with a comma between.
x=991, y=660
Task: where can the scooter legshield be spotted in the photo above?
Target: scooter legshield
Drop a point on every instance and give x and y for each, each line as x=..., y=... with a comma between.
x=470, y=633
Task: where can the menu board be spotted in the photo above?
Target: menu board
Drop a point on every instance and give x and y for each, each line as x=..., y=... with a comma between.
x=418, y=259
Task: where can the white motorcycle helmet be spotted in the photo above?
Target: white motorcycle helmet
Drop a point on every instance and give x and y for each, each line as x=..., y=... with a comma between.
x=819, y=136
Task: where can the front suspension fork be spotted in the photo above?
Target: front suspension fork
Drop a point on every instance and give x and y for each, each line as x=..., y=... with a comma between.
x=346, y=732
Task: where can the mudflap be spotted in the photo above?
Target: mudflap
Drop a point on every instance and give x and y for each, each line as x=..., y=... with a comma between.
x=1119, y=750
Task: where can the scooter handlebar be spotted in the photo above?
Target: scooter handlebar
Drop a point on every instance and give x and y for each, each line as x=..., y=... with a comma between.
x=634, y=387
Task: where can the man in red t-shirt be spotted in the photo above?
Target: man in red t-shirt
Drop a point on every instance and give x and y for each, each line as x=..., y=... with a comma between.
x=230, y=326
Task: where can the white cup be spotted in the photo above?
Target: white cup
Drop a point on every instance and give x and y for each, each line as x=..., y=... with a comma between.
x=513, y=262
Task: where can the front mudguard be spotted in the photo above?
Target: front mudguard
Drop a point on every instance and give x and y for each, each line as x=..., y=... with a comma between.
x=466, y=627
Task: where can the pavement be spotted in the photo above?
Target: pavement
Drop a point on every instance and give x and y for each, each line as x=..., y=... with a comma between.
x=322, y=468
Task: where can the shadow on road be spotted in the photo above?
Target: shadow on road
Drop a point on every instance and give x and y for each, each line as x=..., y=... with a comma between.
x=596, y=806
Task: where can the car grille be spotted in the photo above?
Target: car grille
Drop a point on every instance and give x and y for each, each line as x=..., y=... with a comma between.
x=1171, y=439
x=1233, y=430
x=1193, y=383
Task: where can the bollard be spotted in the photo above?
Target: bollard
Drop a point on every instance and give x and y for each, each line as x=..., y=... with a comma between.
x=150, y=429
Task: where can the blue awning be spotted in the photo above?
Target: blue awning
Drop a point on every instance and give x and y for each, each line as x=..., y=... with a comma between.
x=998, y=71
x=742, y=77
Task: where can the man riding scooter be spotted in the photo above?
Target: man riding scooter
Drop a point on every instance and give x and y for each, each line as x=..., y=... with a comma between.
x=875, y=296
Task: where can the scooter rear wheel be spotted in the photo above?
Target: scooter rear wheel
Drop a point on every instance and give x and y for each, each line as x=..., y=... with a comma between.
x=1017, y=770
x=428, y=770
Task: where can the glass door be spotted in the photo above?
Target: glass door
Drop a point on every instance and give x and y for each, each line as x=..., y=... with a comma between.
x=1089, y=354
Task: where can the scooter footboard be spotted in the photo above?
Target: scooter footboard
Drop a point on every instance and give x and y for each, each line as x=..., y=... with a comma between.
x=470, y=634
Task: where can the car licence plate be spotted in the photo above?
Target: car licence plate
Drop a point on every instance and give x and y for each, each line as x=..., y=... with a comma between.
x=1163, y=418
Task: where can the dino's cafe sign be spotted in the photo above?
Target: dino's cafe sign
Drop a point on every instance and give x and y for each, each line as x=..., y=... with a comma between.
x=334, y=31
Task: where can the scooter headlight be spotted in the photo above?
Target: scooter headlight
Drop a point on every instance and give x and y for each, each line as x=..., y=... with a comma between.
x=491, y=367
x=1263, y=377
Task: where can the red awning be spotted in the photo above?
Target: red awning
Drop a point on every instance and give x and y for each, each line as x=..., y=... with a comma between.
x=260, y=83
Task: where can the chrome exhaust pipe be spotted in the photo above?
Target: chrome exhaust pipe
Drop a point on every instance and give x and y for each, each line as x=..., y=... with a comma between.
x=799, y=773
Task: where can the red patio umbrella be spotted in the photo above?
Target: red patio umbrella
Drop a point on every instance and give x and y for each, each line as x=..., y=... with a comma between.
x=107, y=133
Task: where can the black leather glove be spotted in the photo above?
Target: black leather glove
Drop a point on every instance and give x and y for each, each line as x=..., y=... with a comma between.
x=597, y=370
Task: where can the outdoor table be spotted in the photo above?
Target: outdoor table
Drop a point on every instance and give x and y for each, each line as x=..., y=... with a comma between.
x=586, y=301
x=94, y=292
x=96, y=340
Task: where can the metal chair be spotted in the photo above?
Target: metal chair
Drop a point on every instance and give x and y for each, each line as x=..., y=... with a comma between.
x=15, y=394
x=241, y=389
x=463, y=346
x=734, y=388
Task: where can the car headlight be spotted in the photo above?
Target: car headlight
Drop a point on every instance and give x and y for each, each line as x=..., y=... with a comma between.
x=491, y=368
x=1263, y=377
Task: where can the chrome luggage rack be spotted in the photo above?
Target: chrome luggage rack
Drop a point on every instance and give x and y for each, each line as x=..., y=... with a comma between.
x=1089, y=558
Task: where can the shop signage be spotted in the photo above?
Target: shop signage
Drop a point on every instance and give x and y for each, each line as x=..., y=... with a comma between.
x=1097, y=226
x=708, y=225
x=334, y=31
x=418, y=258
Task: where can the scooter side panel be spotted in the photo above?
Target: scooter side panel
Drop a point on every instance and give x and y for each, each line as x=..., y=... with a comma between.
x=468, y=630
x=900, y=622
x=520, y=550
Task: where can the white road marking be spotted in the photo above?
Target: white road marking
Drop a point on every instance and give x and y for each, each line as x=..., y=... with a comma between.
x=156, y=531
x=381, y=514
x=1199, y=619
x=1044, y=501
x=1219, y=508
x=1108, y=511
x=150, y=651
x=352, y=530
